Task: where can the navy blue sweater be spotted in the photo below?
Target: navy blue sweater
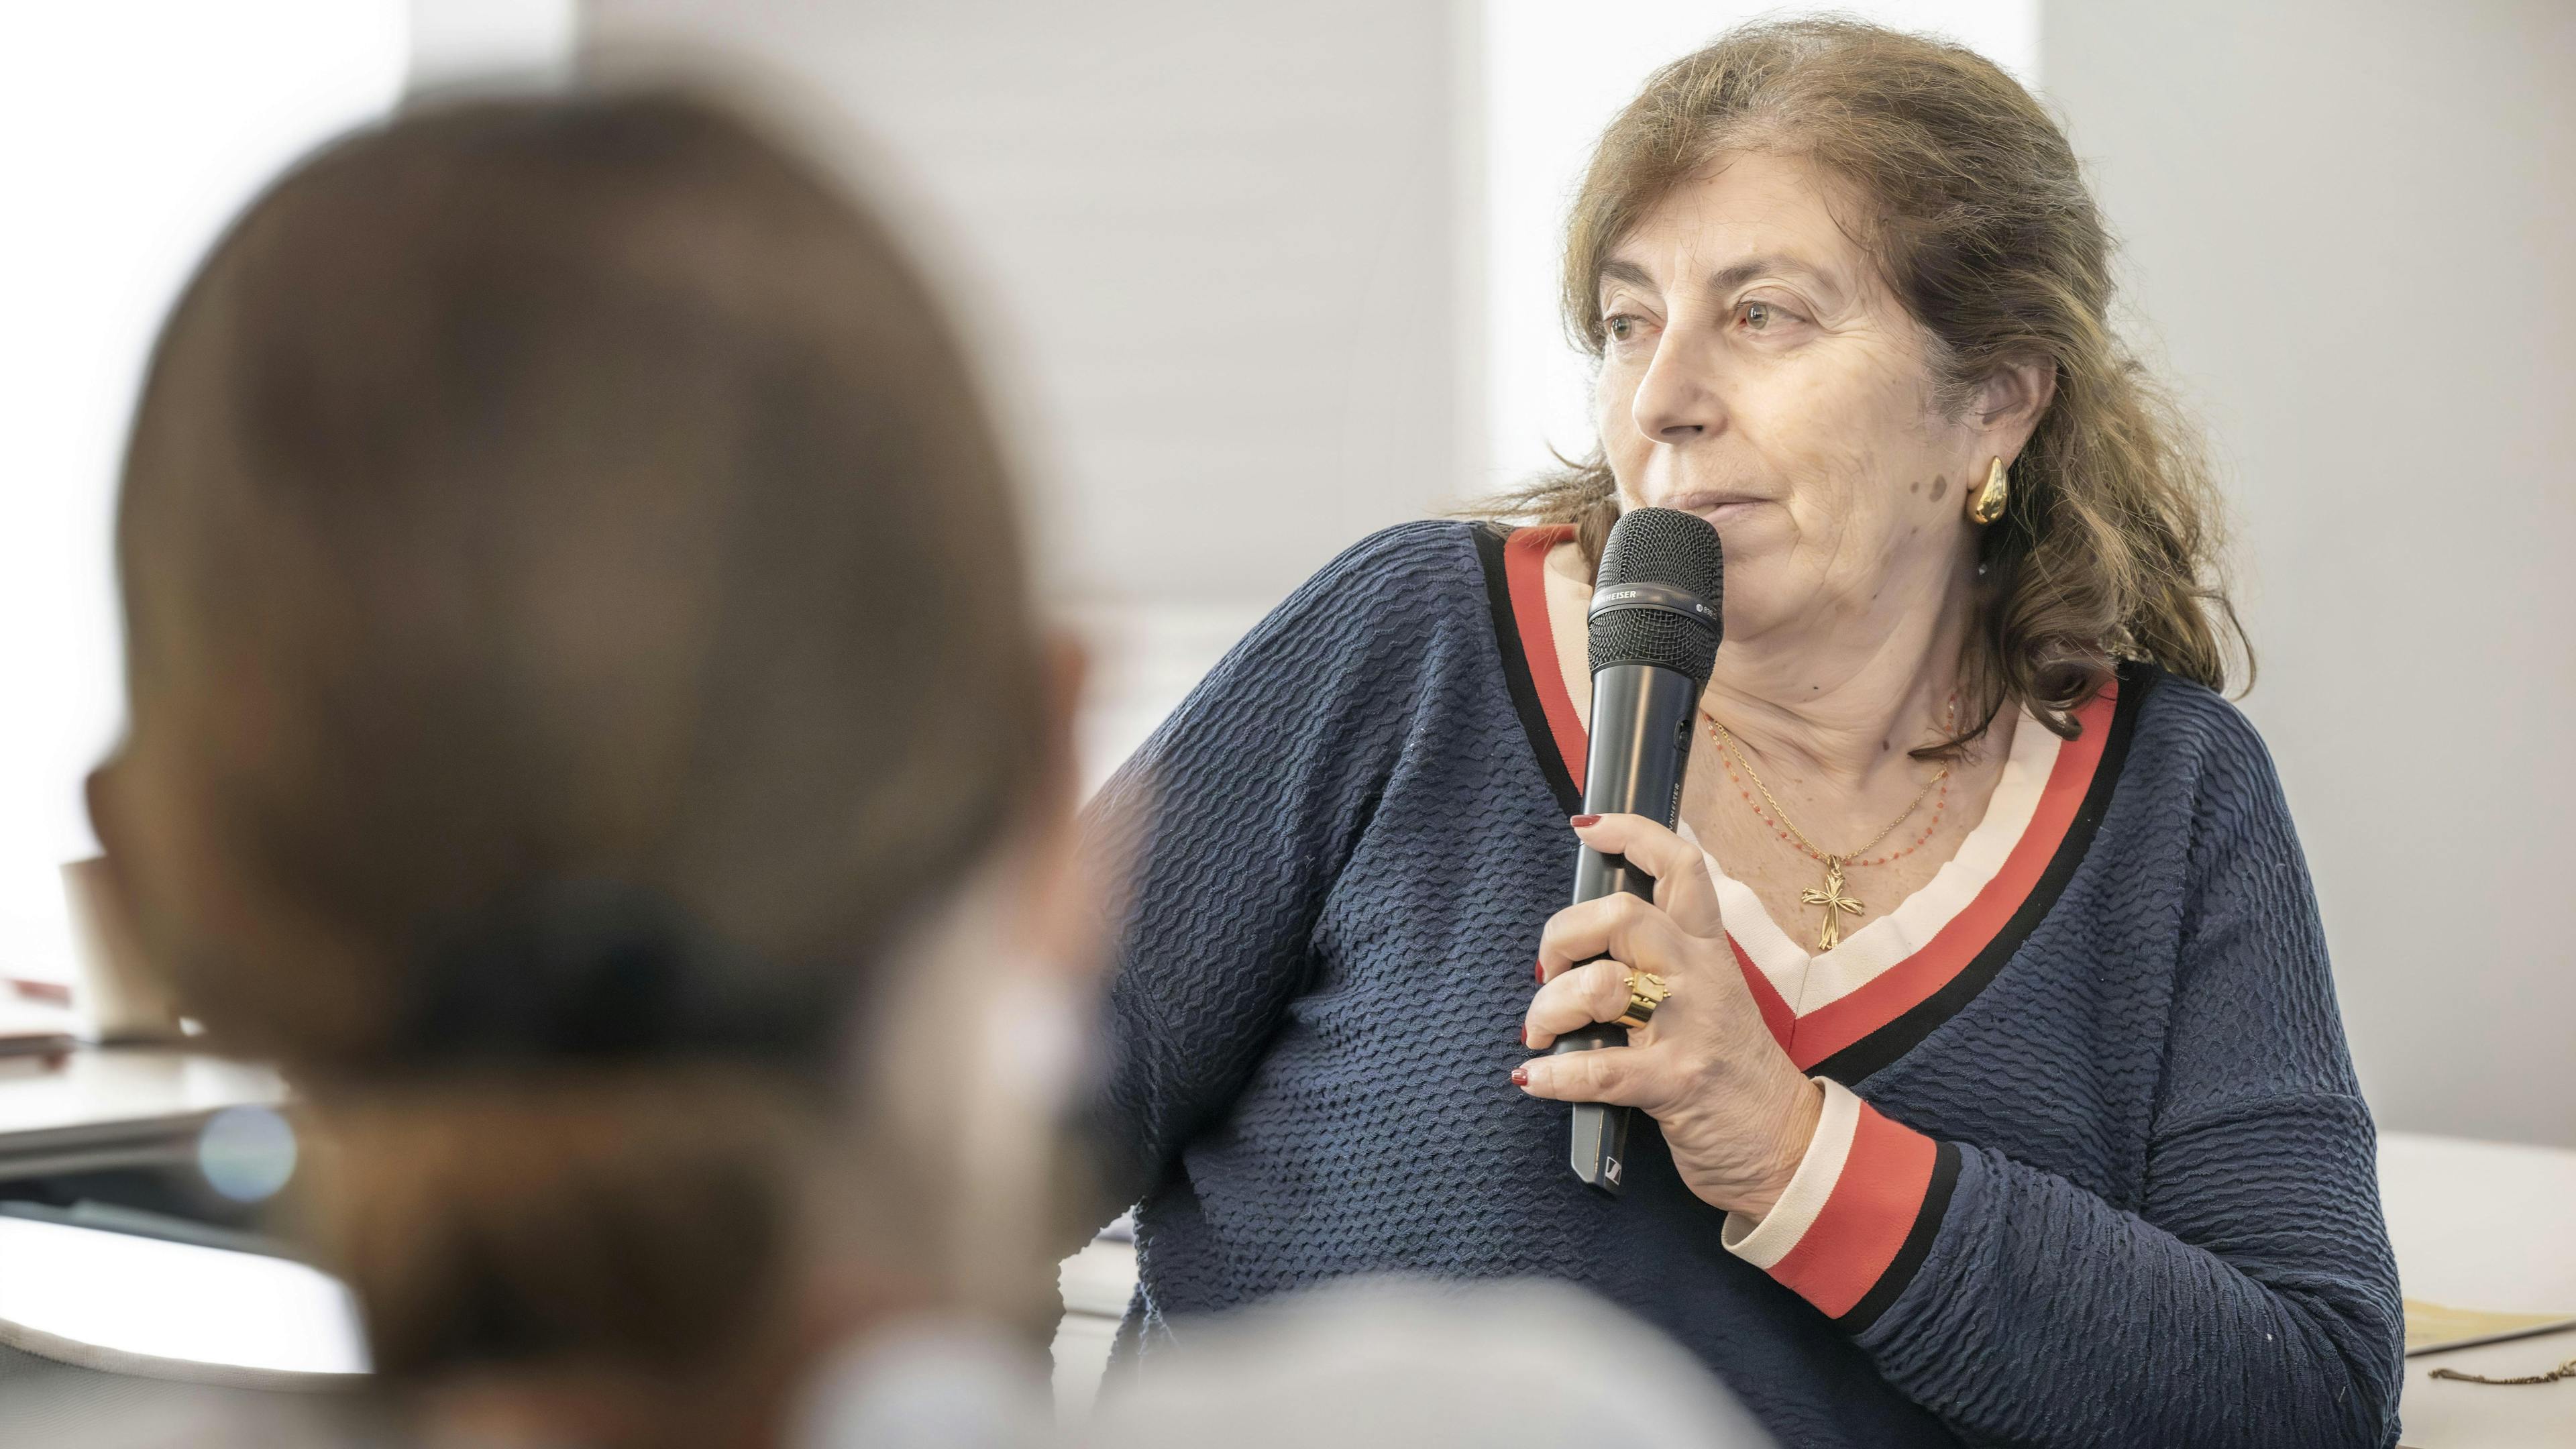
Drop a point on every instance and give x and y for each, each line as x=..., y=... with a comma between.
x=2144, y=1209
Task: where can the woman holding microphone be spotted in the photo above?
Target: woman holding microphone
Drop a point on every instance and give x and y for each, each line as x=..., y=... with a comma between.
x=1999, y=1092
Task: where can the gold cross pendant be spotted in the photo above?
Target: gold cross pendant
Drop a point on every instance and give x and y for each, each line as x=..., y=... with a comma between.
x=1832, y=899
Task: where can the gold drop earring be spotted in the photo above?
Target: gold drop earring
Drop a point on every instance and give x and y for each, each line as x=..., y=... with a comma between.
x=1987, y=503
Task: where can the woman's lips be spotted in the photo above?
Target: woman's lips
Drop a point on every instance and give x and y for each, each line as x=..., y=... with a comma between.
x=1717, y=508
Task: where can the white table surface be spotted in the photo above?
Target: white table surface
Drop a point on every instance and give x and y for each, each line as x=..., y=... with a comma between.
x=2486, y=1225
x=177, y=1301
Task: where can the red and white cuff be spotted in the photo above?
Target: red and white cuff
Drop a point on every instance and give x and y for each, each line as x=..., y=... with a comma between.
x=1859, y=1215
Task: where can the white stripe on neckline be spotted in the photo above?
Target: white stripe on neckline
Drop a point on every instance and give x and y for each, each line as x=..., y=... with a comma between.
x=1809, y=982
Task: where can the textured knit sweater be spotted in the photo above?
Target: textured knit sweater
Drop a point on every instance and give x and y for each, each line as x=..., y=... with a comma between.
x=2103, y=1177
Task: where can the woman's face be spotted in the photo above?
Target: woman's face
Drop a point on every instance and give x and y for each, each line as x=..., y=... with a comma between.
x=1759, y=373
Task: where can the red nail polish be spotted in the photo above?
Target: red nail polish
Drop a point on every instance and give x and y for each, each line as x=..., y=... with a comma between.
x=1580, y=821
x=1520, y=1076
x=1540, y=971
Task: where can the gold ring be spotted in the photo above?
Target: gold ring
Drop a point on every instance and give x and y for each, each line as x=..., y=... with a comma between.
x=1646, y=993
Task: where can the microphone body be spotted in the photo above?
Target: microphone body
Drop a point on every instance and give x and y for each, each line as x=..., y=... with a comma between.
x=1654, y=629
x=1641, y=737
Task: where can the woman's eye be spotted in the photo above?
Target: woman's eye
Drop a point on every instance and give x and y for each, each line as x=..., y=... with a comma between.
x=1764, y=316
x=1620, y=326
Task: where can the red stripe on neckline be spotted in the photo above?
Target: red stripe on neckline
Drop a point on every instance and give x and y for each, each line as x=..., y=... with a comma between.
x=1776, y=1014
x=1525, y=567
x=1901, y=987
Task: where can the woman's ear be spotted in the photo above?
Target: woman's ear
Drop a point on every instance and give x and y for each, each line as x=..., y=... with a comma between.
x=2012, y=400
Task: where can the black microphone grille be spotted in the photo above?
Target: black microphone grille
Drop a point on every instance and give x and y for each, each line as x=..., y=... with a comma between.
x=1653, y=555
x=1664, y=546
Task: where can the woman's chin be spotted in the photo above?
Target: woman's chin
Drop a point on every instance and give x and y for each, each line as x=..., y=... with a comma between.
x=1759, y=599
x=1754, y=554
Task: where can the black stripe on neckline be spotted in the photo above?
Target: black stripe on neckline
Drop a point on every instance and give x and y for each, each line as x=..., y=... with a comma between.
x=1917, y=1246
x=1908, y=1029
x=1517, y=679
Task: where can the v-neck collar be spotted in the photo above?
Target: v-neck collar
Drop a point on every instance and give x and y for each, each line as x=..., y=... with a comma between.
x=1848, y=1012
x=1811, y=981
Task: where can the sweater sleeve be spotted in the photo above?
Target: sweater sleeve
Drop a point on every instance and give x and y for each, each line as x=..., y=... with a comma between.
x=2250, y=1297
x=1238, y=815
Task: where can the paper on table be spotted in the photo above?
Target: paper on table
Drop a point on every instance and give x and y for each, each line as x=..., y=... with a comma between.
x=2431, y=1327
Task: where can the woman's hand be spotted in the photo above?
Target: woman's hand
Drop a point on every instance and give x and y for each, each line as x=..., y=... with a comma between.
x=1736, y=1112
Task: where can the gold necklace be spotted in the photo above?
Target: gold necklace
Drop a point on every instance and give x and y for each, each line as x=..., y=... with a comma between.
x=1832, y=896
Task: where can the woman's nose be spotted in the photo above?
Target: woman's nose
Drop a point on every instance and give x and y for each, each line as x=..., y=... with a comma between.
x=1677, y=399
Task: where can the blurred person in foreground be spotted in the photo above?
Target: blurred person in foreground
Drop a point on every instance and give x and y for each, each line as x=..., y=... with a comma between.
x=590, y=727
x=1997, y=1093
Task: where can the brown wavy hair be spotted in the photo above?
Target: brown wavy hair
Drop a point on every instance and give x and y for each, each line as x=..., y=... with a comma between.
x=1977, y=215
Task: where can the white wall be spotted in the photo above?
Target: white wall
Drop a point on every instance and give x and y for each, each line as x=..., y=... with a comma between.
x=2353, y=225
x=1216, y=245
x=521, y=42
x=130, y=131
x=1269, y=276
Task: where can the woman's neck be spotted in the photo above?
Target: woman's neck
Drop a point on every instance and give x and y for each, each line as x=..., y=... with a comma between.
x=1846, y=700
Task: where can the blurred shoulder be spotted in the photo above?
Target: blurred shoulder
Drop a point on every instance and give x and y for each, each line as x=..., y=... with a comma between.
x=1400, y=1362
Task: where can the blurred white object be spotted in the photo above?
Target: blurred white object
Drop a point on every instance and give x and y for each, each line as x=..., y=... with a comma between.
x=1393, y=1362
x=1367, y=1364
x=163, y=1309
x=926, y=1384
x=112, y=999
x=1383, y=1361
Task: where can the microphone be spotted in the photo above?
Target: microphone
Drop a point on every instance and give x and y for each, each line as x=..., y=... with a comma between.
x=1654, y=629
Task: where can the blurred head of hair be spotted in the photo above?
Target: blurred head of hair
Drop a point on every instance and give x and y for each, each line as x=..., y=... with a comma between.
x=577, y=633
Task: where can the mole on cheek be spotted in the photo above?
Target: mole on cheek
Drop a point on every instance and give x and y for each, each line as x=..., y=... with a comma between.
x=1940, y=489
x=1914, y=487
